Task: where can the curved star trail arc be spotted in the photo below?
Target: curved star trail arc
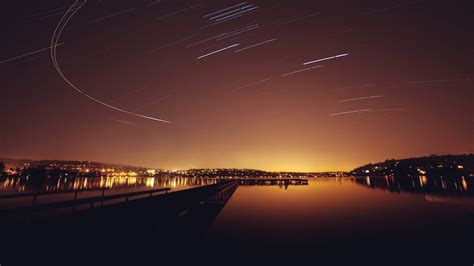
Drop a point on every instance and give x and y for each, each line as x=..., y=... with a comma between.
x=54, y=44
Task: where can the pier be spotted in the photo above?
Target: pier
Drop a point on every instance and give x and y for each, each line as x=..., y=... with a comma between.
x=113, y=223
x=69, y=205
x=106, y=203
x=109, y=221
x=272, y=182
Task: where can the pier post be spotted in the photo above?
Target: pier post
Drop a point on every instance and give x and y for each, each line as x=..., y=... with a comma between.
x=102, y=200
x=34, y=199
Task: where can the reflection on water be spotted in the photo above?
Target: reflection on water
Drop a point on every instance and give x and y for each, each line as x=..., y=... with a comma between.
x=341, y=216
x=436, y=185
x=114, y=185
x=16, y=185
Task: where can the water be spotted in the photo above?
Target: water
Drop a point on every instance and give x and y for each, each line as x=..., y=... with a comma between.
x=333, y=217
x=113, y=185
x=371, y=220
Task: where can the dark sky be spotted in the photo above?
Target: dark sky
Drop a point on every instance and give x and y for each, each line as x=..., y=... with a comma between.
x=401, y=84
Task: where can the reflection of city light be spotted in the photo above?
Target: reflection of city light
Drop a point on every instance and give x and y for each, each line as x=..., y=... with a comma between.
x=110, y=182
x=150, y=182
x=423, y=180
x=464, y=183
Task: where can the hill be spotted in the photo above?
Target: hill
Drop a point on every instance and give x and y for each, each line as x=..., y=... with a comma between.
x=434, y=165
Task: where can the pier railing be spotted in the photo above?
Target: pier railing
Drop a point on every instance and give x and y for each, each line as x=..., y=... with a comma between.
x=35, y=195
x=89, y=201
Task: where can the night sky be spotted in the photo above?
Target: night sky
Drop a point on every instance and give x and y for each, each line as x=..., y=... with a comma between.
x=182, y=84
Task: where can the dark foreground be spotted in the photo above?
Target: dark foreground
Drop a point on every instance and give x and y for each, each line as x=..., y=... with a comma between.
x=325, y=222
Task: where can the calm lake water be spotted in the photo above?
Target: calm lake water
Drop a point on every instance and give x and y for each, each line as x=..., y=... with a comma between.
x=385, y=220
x=366, y=217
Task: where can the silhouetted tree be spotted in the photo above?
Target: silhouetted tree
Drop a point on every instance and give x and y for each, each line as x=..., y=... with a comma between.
x=55, y=173
x=2, y=170
x=446, y=165
x=37, y=176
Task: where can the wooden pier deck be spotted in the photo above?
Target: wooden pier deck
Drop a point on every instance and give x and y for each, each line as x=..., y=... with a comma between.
x=167, y=219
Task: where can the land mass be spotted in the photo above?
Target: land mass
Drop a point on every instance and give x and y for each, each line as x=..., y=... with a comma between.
x=438, y=165
x=433, y=165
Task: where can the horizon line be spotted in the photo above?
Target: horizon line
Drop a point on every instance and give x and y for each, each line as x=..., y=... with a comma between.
x=236, y=168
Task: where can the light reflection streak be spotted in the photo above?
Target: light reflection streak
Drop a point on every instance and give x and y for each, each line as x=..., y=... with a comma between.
x=428, y=185
x=19, y=184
